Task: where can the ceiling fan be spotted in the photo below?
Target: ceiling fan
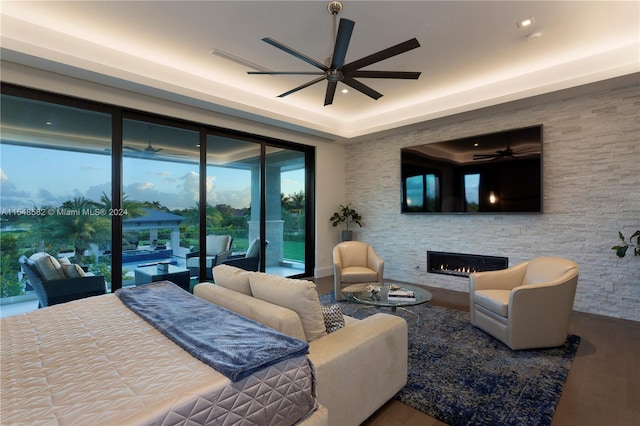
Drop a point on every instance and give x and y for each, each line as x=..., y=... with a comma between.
x=148, y=150
x=503, y=153
x=337, y=71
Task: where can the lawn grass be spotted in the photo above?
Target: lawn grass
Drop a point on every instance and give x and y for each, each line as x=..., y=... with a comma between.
x=293, y=250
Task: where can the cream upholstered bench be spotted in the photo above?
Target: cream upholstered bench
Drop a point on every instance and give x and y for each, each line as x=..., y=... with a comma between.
x=359, y=367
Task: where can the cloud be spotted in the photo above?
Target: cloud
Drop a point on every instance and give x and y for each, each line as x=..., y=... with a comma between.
x=190, y=185
x=143, y=186
x=95, y=192
x=8, y=189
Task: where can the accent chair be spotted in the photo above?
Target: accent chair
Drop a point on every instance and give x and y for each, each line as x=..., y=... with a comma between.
x=355, y=264
x=526, y=306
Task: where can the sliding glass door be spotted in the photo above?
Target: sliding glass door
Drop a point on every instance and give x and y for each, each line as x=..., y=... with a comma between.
x=285, y=207
x=56, y=181
x=161, y=195
x=232, y=193
x=120, y=191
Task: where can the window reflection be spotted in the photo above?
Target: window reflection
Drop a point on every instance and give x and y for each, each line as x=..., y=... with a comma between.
x=422, y=193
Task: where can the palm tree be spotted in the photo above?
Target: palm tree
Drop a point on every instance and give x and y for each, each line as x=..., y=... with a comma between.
x=74, y=224
x=132, y=208
x=296, y=205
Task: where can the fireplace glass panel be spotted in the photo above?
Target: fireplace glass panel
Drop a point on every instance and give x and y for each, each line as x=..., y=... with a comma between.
x=461, y=265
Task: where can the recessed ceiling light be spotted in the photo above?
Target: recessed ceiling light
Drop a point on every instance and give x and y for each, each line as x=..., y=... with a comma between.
x=526, y=22
x=345, y=90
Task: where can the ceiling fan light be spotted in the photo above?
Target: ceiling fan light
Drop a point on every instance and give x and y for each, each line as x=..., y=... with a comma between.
x=334, y=7
x=526, y=22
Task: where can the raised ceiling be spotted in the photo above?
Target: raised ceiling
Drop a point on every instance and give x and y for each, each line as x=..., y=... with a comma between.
x=472, y=55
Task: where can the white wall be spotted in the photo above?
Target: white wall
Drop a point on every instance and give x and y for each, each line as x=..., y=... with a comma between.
x=330, y=193
x=591, y=184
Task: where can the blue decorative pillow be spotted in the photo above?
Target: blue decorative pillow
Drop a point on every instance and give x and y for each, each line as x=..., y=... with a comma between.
x=333, y=318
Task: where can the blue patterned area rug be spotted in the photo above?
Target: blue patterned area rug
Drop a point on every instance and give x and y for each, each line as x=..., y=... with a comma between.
x=463, y=376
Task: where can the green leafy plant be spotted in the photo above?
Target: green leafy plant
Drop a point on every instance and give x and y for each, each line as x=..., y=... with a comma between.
x=633, y=241
x=345, y=215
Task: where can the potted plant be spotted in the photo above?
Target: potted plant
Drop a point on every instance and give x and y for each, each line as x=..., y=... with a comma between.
x=621, y=250
x=346, y=215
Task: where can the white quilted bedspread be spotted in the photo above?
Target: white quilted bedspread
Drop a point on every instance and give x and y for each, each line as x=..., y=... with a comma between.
x=94, y=361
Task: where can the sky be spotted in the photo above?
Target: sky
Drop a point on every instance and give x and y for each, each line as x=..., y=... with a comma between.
x=35, y=177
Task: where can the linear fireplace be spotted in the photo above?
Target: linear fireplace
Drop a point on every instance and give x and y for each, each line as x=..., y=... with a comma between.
x=461, y=265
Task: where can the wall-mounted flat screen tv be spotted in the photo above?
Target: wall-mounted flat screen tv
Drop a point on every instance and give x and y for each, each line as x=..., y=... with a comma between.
x=492, y=173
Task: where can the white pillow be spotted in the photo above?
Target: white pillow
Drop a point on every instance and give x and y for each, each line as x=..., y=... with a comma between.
x=217, y=244
x=254, y=248
x=298, y=295
x=232, y=278
x=72, y=270
x=48, y=266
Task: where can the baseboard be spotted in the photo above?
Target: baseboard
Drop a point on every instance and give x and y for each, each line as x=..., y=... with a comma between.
x=323, y=272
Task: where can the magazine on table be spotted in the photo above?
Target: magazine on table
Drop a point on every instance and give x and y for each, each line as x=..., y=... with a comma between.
x=401, y=294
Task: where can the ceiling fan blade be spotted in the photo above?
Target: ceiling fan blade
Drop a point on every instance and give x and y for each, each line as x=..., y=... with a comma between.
x=285, y=72
x=342, y=43
x=486, y=156
x=408, y=75
x=331, y=91
x=382, y=55
x=362, y=87
x=295, y=53
x=317, y=80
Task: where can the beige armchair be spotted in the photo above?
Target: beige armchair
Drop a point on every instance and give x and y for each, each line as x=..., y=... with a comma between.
x=526, y=306
x=354, y=264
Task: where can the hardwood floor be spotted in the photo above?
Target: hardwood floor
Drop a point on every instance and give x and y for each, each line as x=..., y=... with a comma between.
x=603, y=387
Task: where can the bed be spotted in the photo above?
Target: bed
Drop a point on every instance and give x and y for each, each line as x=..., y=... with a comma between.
x=96, y=361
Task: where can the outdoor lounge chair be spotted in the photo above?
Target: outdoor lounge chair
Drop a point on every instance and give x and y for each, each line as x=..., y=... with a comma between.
x=218, y=249
x=57, y=282
x=249, y=261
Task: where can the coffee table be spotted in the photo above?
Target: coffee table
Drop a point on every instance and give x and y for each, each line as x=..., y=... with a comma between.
x=175, y=274
x=381, y=300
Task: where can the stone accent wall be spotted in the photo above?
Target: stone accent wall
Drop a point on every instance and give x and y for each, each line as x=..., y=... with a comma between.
x=591, y=186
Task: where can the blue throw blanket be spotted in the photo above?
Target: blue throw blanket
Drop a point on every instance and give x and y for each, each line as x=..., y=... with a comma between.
x=230, y=343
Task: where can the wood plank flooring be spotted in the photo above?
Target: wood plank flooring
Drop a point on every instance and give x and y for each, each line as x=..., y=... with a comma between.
x=603, y=387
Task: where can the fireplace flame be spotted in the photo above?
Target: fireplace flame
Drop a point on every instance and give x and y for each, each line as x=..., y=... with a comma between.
x=465, y=270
